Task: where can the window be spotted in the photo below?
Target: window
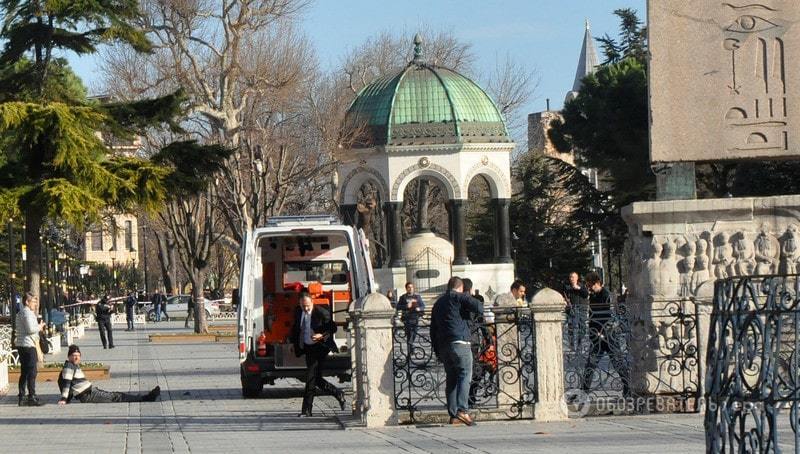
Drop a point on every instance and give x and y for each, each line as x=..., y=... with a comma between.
x=129, y=235
x=324, y=272
x=97, y=239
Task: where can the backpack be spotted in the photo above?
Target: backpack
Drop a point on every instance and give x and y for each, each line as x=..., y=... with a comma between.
x=44, y=343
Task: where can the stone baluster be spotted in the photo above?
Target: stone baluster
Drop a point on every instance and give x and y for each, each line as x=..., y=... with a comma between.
x=548, y=315
x=373, y=376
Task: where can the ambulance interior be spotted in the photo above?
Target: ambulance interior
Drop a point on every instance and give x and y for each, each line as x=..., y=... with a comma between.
x=318, y=264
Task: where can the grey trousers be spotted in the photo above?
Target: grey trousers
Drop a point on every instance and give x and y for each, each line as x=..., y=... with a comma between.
x=98, y=396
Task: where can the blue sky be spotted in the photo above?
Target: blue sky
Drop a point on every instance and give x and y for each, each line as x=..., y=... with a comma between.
x=543, y=35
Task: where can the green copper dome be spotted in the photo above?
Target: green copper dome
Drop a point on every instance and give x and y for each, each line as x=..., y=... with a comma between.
x=424, y=104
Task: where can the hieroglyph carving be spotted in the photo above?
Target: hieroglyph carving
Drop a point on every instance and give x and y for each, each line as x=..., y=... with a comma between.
x=756, y=116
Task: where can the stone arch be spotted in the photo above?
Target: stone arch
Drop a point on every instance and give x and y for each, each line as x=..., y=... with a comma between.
x=431, y=170
x=354, y=180
x=498, y=183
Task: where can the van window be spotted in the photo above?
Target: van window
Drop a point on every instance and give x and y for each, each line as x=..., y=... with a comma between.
x=324, y=272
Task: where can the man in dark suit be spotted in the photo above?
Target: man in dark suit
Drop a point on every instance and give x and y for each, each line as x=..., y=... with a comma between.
x=312, y=335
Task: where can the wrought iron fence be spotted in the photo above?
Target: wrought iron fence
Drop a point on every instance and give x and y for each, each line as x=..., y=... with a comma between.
x=647, y=357
x=504, y=367
x=752, y=390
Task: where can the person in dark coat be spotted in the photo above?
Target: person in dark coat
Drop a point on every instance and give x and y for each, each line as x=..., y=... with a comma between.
x=450, y=336
x=577, y=309
x=312, y=336
x=130, y=306
x=603, y=335
x=411, y=308
x=157, y=302
x=102, y=314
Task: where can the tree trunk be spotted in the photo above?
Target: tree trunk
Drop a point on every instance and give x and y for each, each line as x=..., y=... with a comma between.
x=33, y=268
x=200, y=323
x=166, y=262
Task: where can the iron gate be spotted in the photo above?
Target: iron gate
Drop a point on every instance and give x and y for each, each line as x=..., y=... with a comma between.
x=626, y=361
x=429, y=271
x=753, y=392
x=503, y=385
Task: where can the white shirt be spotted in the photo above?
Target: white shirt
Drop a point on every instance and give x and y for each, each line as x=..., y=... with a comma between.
x=305, y=327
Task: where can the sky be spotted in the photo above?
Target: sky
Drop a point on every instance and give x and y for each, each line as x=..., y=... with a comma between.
x=544, y=36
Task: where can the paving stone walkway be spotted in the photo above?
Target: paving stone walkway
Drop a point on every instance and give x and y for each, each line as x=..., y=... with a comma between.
x=201, y=410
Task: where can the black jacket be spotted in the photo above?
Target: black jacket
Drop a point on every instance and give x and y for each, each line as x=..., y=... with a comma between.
x=102, y=311
x=450, y=316
x=321, y=323
x=575, y=296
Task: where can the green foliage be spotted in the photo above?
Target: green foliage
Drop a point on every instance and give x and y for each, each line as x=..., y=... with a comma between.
x=552, y=218
x=192, y=165
x=61, y=84
x=632, y=42
x=75, y=25
x=606, y=125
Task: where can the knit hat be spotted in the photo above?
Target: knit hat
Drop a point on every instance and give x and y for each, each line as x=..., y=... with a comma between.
x=72, y=349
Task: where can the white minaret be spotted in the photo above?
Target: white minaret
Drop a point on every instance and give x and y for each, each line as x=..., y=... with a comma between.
x=587, y=62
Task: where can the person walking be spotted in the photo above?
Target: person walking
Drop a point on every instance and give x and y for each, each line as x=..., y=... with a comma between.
x=102, y=314
x=312, y=336
x=189, y=312
x=603, y=335
x=27, y=338
x=450, y=337
x=130, y=307
x=411, y=308
x=157, y=304
x=72, y=384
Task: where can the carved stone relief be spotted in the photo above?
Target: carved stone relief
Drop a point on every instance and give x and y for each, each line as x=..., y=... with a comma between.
x=677, y=265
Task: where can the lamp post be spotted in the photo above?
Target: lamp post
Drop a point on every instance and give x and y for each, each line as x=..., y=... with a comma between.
x=144, y=259
x=11, y=263
x=114, y=274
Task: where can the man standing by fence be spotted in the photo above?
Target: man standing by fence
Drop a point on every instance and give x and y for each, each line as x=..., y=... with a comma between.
x=130, y=306
x=411, y=307
x=450, y=336
x=604, y=334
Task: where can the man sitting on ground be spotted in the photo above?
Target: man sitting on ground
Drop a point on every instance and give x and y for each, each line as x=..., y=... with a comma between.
x=73, y=384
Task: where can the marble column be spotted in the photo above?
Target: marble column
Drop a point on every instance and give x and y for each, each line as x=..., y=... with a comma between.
x=458, y=218
x=394, y=227
x=502, y=231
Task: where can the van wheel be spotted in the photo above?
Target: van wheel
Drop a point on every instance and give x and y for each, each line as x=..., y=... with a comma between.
x=208, y=315
x=251, y=387
x=151, y=316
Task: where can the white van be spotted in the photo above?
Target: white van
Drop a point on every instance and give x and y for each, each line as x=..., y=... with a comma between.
x=290, y=256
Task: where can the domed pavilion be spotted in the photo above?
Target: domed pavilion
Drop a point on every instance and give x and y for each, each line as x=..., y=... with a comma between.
x=430, y=122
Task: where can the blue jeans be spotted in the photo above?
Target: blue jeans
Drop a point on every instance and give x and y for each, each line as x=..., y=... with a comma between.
x=457, y=359
x=158, y=312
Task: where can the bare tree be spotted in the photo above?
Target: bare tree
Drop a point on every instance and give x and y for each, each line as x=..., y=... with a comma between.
x=512, y=86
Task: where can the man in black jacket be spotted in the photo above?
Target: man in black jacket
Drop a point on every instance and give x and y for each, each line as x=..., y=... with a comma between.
x=312, y=335
x=102, y=313
x=577, y=308
x=604, y=335
x=450, y=336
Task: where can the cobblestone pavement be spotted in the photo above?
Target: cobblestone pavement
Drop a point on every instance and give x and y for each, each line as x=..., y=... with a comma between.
x=201, y=410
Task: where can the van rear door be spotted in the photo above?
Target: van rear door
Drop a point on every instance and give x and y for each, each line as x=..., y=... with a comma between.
x=246, y=289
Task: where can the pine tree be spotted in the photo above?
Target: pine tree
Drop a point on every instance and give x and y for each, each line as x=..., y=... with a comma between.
x=54, y=164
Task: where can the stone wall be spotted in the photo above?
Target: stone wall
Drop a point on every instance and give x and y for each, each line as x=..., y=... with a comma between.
x=539, y=142
x=676, y=250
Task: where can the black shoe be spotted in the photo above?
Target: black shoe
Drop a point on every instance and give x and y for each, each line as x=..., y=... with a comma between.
x=305, y=414
x=33, y=401
x=341, y=399
x=22, y=402
x=111, y=346
x=152, y=395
